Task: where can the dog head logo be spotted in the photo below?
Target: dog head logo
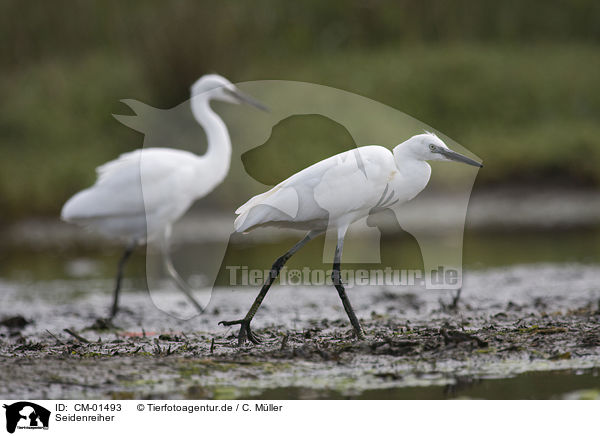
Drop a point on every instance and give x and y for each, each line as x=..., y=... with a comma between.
x=26, y=415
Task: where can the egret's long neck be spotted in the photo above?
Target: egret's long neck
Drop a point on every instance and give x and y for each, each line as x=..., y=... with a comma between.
x=414, y=173
x=214, y=165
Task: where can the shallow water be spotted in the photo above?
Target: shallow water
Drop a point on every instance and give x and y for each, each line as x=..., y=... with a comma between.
x=480, y=250
x=539, y=385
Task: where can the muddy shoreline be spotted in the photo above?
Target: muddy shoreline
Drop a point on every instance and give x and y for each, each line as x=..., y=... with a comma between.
x=543, y=320
x=320, y=361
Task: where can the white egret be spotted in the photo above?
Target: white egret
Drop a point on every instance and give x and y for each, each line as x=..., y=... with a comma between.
x=138, y=196
x=334, y=193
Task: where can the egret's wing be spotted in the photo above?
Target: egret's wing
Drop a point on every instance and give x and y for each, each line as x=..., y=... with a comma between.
x=139, y=183
x=335, y=184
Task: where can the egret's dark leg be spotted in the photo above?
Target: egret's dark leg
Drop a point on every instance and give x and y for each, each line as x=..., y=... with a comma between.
x=122, y=262
x=455, y=300
x=245, y=331
x=337, y=282
x=181, y=284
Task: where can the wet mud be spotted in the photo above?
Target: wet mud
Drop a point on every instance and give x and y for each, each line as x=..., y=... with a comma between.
x=535, y=328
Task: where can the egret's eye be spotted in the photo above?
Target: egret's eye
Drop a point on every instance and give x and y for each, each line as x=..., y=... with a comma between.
x=432, y=147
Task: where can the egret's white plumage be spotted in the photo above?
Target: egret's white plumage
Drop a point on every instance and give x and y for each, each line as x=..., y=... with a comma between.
x=337, y=191
x=116, y=206
x=344, y=188
x=142, y=193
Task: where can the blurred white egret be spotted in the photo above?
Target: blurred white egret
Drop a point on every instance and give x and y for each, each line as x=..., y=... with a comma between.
x=334, y=193
x=140, y=195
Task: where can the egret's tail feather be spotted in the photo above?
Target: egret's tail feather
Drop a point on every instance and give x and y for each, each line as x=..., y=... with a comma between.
x=255, y=201
x=259, y=215
x=278, y=204
x=248, y=219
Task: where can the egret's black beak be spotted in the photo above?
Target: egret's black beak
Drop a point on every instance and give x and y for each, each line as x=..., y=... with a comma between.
x=245, y=98
x=452, y=155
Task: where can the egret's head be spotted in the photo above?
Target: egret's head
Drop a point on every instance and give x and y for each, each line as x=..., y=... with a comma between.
x=428, y=146
x=215, y=87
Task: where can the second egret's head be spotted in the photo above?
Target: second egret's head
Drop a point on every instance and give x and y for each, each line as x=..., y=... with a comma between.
x=215, y=87
x=428, y=146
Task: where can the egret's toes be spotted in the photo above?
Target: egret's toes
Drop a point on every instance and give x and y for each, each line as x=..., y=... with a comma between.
x=229, y=323
x=253, y=337
x=245, y=331
x=102, y=324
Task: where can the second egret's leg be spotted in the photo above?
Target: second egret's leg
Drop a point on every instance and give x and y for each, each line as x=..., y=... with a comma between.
x=337, y=282
x=120, y=267
x=181, y=284
x=245, y=331
x=455, y=300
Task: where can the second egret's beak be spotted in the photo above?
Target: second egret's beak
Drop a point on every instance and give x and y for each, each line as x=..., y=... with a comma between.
x=245, y=98
x=452, y=155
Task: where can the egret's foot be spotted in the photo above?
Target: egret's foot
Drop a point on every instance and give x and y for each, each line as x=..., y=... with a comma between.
x=102, y=324
x=113, y=311
x=245, y=331
x=358, y=330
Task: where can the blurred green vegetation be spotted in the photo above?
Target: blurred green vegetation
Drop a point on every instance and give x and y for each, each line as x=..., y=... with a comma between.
x=517, y=83
x=287, y=145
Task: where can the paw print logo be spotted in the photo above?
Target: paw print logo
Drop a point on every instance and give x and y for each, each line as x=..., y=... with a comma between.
x=294, y=277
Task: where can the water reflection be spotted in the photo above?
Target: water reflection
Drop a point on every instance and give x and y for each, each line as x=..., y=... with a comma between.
x=398, y=250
